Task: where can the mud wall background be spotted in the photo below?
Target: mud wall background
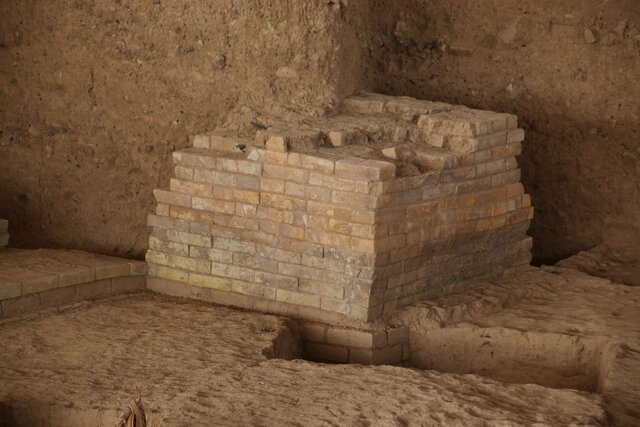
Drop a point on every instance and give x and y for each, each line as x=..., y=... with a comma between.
x=94, y=96
x=570, y=71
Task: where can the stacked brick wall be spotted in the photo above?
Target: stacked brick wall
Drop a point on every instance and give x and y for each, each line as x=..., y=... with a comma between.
x=318, y=221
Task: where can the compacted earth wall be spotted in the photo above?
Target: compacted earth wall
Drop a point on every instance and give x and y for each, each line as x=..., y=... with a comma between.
x=96, y=95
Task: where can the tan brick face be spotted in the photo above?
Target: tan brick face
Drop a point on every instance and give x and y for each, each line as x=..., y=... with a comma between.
x=319, y=221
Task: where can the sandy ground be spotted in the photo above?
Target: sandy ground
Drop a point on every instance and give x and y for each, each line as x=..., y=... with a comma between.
x=554, y=326
x=204, y=365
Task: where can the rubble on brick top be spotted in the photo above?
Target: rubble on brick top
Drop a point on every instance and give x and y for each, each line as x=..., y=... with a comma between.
x=415, y=135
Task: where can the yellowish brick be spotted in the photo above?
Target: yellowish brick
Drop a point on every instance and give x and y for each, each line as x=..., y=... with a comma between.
x=350, y=337
x=223, y=193
x=271, y=185
x=274, y=157
x=191, y=188
x=294, y=159
x=188, y=238
x=213, y=282
x=226, y=165
x=330, y=290
x=364, y=169
x=245, y=210
x=362, y=245
x=295, y=189
x=171, y=247
x=249, y=167
x=292, y=232
x=169, y=273
x=193, y=215
x=252, y=289
x=277, y=143
x=184, y=172
x=279, y=201
x=317, y=163
x=213, y=205
x=331, y=181
x=162, y=209
x=172, y=198
x=335, y=305
x=297, y=298
x=269, y=227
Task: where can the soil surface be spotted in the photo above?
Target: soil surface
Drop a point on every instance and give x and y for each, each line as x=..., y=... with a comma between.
x=205, y=365
x=554, y=326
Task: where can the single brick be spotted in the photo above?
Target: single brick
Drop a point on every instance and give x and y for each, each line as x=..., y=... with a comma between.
x=58, y=297
x=9, y=289
x=172, y=198
x=94, y=290
x=390, y=355
x=398, y=335
x=364, y=169
x=360, y=356
x=327, y=353
x=169, y=273
x=278, y=144
x=120, y=285
x=213, y=282
x=21, y=305
x=297, y=298
x=314, y=332
x=169, y=287
x=350, y=337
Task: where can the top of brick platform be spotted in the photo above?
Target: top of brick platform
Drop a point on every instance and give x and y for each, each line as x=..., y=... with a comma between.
x=31, y=271
x=389, y=136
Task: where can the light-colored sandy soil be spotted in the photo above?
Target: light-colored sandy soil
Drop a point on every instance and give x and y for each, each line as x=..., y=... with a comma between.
x=620, y=264
x=205, y=365
x=554, y=326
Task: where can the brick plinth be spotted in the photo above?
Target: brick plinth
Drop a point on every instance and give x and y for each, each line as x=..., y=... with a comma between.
x=392, y=201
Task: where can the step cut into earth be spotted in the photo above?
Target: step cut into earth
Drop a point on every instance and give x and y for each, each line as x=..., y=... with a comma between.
x=389, y=202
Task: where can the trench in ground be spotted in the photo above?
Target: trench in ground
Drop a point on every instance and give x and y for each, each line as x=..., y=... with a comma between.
x=508, y=355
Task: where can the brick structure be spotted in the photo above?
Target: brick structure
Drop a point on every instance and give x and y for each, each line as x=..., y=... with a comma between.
x=389, y=202
x=4, y=233
x=38, y=279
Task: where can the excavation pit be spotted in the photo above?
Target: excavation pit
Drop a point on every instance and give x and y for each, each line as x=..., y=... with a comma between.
x=199, y=364
x=512, y=356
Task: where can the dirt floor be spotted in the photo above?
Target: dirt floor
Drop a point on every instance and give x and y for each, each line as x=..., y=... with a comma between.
x=555, y=326
x=95, y=97
x=538, y=347
x=206, y=365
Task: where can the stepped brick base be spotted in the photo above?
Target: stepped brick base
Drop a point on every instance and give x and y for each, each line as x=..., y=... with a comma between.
x=34, y=280
x=389, y=202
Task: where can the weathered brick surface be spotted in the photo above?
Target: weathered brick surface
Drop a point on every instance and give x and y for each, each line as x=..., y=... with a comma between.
x=31, y=280
x=306, y=221
x=362, y=346
x=94, y=290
